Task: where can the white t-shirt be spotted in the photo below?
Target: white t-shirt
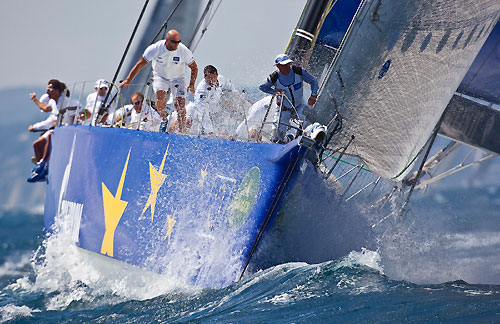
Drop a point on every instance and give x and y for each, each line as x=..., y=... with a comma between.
x=256, y=115
x=62, y=102
x=208, y=112
x=167, y=64
x=153, y=119
x=52, y=115
x=208, y=95
x=44, y=99
x=94, y=103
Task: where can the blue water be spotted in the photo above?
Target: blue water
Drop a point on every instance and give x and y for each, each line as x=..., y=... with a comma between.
x=405, y=280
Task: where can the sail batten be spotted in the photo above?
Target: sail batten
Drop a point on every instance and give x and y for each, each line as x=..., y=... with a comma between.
x=397, y=71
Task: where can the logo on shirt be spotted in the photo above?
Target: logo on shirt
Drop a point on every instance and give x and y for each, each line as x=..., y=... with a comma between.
x=176, y=59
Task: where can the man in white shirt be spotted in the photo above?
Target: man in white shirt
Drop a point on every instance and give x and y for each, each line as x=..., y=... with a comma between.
x=216, y=107
x=137, y=113
x=95, y=100
x=43, y=104
x=206, y=114
x=58, y=101
x=169, y=58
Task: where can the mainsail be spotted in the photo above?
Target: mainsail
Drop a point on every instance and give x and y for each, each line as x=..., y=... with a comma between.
x=471, y=116
x=187, y=12
x=399, y=65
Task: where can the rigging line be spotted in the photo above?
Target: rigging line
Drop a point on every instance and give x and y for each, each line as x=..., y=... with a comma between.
x=342, y=44
x=200, y=22
x=349, y=163
x=206, y=26
x=453, y=170
x=126, y=49
x=265, y=116
x=424, y=159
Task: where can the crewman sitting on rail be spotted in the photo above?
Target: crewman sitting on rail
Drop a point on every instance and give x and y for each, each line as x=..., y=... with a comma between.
x=42, y=126
x=95, y=100
x=59, y=101
x=137, y=115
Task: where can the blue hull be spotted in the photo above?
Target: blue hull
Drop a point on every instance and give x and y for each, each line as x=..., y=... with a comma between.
x=157, y=200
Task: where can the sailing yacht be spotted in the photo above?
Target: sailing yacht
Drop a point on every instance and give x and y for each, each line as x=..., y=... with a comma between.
x=213, y=209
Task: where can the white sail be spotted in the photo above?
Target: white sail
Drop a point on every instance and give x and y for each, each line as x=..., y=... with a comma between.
x=399, y=66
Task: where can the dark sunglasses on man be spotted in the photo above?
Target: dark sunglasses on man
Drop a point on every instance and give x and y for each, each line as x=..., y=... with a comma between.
x=137, y=102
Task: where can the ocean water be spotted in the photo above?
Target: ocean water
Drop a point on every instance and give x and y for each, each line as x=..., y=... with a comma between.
x=437, y=264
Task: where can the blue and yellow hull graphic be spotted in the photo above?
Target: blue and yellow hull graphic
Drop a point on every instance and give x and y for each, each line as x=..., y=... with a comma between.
x=166, y=201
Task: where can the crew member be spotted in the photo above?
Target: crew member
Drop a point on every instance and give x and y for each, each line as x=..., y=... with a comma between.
x=95, y=100
x=169, y=58
x=138, y=113
x=210, y=113
x=287, y=85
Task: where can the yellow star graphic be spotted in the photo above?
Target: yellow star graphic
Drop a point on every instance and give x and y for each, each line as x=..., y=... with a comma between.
x=171, y=222
x=203, y=175
x=157, y=179
x=113, y=211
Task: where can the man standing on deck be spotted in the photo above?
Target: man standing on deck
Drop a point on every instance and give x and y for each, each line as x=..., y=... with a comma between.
x=169, y=58
x=287, y=83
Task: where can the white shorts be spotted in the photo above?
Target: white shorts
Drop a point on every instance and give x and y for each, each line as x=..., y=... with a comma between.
x=176, y=86
x=46, y=134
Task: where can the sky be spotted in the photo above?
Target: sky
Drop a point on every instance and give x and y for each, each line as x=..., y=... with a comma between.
x=84, y=40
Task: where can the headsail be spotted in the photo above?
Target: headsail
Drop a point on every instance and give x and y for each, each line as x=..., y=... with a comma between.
x=399, y=66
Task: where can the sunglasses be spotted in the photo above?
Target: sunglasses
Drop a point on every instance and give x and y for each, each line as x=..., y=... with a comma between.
x=175, y=42
x=137, y=102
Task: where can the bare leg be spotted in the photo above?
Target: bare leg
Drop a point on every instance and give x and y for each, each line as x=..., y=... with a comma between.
x=38, y=147
x=46, y=150
x=160, y=103
x=180, y=106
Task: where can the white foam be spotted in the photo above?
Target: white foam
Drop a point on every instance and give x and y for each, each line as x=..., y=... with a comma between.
x=67, y=274
x=11, y=311
x=13, y=265
x=364, y=257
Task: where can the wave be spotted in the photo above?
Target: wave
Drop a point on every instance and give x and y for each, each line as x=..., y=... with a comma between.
x=11, y=311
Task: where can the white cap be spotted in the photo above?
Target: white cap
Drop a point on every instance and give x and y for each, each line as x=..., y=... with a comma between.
x=282, y=59
x=101, y=83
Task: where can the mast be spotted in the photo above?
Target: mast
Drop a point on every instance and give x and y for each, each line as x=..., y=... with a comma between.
x=304, y=34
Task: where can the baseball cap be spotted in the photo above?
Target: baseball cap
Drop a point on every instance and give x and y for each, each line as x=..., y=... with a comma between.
x=101, y=83
x=282, y=59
